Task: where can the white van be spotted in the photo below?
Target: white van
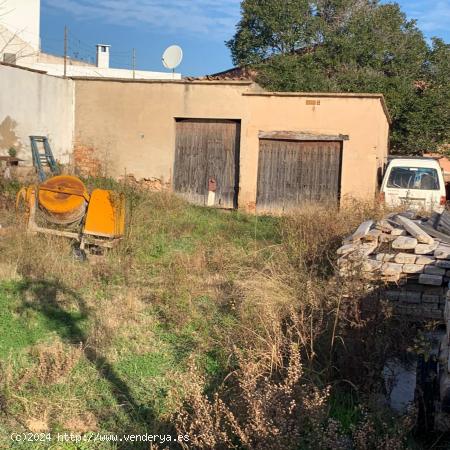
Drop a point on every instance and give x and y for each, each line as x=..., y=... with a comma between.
x=416, y=183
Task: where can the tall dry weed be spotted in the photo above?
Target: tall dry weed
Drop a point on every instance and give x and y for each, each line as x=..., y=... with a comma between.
x=295, y=300
x=296, y=327
x=312, y=234
x=261, y=410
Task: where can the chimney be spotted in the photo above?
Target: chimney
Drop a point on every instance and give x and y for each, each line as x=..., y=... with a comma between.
x=103, y=56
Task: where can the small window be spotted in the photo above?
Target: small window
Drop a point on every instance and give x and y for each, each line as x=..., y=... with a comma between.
x=9, y=58
x=423, y=178
x=104, y=48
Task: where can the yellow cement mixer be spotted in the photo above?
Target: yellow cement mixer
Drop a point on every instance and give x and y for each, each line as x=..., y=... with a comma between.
x=62, y=206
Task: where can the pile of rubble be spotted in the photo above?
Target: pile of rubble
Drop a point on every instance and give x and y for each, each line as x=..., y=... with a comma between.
x=150, y=184
x=411, y=257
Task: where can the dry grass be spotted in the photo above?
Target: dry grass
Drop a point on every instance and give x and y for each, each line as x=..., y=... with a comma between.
x=293, y=309
x=312, y=234
x=260, y=414
x=55, y=362
x=236, y=324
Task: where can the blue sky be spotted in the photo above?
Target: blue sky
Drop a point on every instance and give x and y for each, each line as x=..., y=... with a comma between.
x=200, y=27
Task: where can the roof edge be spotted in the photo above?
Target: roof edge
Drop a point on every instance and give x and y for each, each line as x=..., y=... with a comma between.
x=29, y=69
x=314, y=94
x=165, y=81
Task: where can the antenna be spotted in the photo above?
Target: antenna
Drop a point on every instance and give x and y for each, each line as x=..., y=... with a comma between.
x=172, y=57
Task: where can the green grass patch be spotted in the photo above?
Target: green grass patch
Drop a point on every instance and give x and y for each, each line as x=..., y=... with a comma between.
x=181, y=260
x=145, y=379
x=345, y=408
x=25, y=322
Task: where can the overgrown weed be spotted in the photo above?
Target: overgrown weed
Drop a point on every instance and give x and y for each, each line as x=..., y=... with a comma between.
x=236, y=326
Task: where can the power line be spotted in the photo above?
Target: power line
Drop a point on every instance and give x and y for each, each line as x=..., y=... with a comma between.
x=80, y=52
x=78, y=43
x=71, y=46
x=53, y=51
x=89, y=46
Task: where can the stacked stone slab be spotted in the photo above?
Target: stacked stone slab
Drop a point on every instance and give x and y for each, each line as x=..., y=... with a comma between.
x=412, y=266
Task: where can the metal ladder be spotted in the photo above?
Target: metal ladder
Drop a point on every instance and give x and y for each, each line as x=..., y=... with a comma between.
x=43, y=159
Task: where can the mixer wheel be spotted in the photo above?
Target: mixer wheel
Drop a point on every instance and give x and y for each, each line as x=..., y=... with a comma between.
x=78, y=254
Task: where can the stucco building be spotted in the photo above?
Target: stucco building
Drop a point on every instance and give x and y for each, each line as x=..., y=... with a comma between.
x=223, y=143
x=255, y=148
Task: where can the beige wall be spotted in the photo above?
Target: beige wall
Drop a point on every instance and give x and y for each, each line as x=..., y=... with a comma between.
x=362, y=119
x=32, y=103
x=131, y=126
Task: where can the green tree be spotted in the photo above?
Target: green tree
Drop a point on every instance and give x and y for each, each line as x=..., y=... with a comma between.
x=426, y=121
x=350, y=45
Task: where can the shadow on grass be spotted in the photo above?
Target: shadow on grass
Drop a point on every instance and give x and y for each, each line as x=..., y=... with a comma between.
x=42, y=296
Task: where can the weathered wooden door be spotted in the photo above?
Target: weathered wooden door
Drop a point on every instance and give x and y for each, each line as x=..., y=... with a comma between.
x=206, y=155
x=294, y=172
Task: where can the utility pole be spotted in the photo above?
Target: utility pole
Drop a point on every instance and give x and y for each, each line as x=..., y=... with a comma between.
x=133, y=63
x=65, y=51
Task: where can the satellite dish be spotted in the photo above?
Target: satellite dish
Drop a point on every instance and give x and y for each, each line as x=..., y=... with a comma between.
x=172, y=57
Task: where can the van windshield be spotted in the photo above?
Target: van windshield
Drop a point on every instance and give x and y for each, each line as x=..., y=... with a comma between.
x=424, y=178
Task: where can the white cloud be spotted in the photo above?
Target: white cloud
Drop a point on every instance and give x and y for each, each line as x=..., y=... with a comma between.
x=216, y=19
x=433, y=16
x=213, y=18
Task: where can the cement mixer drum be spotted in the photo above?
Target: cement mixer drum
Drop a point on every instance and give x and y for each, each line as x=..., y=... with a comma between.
x=63, y=199
x=93, y=220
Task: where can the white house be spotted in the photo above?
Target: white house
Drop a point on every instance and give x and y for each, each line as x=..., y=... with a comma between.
x=20, y=44
x=19, y=30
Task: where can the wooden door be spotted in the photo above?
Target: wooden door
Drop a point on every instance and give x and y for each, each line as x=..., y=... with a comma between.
x=207, y=150
x=294, y=172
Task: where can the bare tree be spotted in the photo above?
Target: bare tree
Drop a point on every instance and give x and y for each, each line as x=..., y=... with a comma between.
x=11, y=40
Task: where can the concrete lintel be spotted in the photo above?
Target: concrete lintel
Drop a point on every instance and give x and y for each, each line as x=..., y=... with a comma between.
x=299, y=136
